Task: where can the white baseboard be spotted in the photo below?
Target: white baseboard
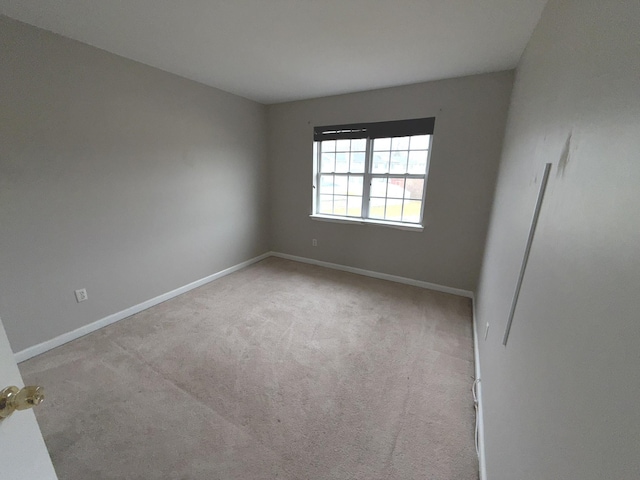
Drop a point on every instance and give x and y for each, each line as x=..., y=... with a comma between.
x=382, y=276
x=103, y=322
x=481, y=453
x=29, y=352
x=43, y=347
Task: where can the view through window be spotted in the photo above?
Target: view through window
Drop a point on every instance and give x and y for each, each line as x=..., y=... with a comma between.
x=375, y=171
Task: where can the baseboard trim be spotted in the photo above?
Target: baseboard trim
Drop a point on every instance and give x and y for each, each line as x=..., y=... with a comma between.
x=382, y=276
x=482, y=463
x=47, y=345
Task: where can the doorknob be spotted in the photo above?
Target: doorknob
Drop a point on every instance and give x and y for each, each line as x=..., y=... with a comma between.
x=14, y=398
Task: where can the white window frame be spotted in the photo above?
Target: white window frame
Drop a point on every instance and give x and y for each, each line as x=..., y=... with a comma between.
x=397, y=129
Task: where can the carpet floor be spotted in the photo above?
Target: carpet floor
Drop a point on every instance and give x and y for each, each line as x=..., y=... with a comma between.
x=282, y=370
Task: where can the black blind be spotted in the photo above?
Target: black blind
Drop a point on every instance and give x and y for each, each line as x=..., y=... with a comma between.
x=397, y=128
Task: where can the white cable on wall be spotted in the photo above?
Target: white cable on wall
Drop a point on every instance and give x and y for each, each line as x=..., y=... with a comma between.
x=475, y=406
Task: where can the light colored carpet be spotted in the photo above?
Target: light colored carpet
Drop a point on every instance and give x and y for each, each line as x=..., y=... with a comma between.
x=280, y=371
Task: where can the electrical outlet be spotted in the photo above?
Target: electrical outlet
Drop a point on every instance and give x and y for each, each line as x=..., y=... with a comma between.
x=486, y=331
x=81, y=295
x=314, y=242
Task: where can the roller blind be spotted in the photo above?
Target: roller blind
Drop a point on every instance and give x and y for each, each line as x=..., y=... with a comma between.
x=397, y=128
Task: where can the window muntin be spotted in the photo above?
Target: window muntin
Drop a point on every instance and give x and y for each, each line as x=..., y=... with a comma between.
x=372, y=177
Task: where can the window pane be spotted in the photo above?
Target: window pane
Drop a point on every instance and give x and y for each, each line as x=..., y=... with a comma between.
x=354, y=205
x=420, y=142
x=343, y=145
x=355, y=185
x=342, y=162
x=380, y=162
x=359, y=145
x=329, y=146
x=418, y=162
x=381, y=144
x=414, y=188
x=394, y=210
x=357, y=162
x=376, y=207
x=378, y=187
x=326, y=184
x=340, y=205
x=398, y=162
x=400, y=143
x=326, y=204
x=327, y=164
x=340, y=183
x=411, y=211
x=395, y=188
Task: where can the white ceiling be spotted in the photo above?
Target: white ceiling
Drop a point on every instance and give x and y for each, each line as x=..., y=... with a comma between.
x=279, y=50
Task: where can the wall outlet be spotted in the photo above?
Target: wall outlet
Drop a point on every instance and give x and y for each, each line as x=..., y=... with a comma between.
x=486, y=331
x=81, y=295
x=314, y=242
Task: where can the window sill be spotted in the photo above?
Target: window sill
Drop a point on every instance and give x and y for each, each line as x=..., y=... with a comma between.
x=363, y=221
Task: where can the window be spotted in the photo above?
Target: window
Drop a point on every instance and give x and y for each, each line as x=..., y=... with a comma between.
x=372, y=172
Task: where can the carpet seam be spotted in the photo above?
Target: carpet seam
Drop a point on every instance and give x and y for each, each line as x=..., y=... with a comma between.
x=242, y=428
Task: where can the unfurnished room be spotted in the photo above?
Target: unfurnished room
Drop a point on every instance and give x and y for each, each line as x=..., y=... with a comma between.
x=296, y=239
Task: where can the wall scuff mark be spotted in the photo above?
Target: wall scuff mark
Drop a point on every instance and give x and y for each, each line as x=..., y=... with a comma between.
x=564, y=158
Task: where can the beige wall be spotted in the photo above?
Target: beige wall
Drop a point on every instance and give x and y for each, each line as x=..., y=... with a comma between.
x=116, y=177
x=561, y=400
x=470, y=118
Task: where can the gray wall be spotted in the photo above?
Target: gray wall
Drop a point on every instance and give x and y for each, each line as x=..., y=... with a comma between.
x=116, y=177
x=470, y=118
x=561, y=400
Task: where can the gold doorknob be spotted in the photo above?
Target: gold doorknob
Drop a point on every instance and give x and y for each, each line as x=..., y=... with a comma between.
x=14, y=398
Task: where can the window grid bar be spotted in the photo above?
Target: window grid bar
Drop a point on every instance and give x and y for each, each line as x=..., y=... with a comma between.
x=346, y=207
x=398, y=175
x=386, y=194
x=366, y=183
x=333, y=204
